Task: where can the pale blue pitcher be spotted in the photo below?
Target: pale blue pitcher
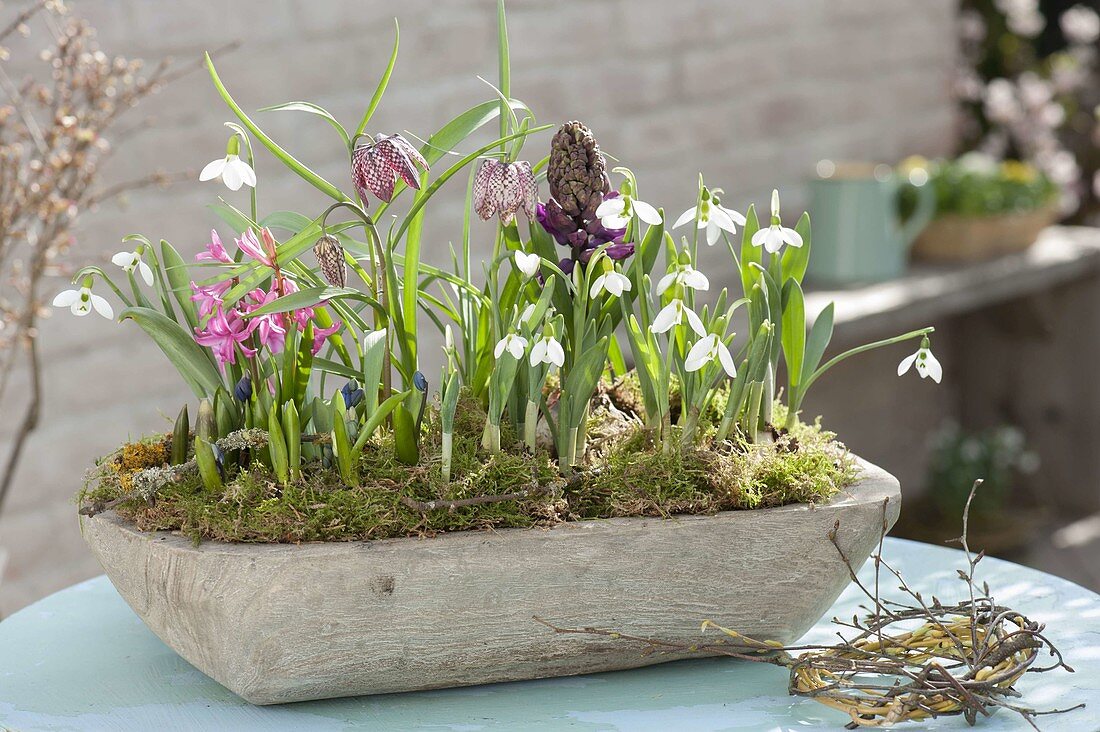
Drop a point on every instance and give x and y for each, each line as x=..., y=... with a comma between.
x=858, y=232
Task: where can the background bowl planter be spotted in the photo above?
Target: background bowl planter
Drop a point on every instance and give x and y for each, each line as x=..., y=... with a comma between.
x=282, y=623
x=956, y=238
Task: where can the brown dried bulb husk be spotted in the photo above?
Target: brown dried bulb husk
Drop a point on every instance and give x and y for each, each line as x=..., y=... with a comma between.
x=330, y=257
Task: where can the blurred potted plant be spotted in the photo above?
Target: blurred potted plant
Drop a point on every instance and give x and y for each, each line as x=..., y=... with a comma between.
x=539, y=429
x=984, y=208
x=959, y=457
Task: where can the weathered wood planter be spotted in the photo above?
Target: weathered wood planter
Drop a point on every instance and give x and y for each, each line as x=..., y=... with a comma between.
x=284, y=623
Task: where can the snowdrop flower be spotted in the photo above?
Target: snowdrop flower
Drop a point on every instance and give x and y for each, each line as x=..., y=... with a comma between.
x=711, y=216
x=528, y=264
x=514, y=344
x=674, y=314
x=685, y=275
x=232, y=171
x=129, y=261
x=775, y=236
x=547, y=350
x=613, y=282
x=927, y=365
x=708, y=349
x=82, y=301
x=526, y=314
x=615, y=213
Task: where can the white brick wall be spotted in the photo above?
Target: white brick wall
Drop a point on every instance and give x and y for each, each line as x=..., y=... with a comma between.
x=751, y=93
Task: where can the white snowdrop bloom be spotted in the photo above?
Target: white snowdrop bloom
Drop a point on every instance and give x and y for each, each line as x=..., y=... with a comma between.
x=674, y=314
x=129, y=261
x=82, y=301
x=527, y=264
x=613, y=282
x=775, y=236
x=615, y=213
x=526, y=314
x=232, y=171
x=514, y=344
x=708, y=349
x=712, y=217
x=547, y=350
x=686, y=275
x=926, y=363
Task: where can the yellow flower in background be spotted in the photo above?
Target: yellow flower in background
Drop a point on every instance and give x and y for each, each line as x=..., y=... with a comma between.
x=1018, y=172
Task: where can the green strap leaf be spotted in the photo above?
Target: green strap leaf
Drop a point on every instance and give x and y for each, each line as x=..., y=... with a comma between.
x=289, y=160
x=820, y=335
x=177, y=344
x=384, y=82
x=793, y=331
x=796, y=259
x=311, y=108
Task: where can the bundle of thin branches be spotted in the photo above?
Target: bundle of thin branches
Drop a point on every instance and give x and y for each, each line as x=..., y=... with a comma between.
x=905, y=661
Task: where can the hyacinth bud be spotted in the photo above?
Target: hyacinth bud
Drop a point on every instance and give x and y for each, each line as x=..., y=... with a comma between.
x=330, y=257
x=353, y=394
x=577, y=173
x=243, y=389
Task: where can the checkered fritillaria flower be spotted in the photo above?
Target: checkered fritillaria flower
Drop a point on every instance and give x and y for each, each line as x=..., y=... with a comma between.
x=376, y=165
x=502, y=189
x=330, y=257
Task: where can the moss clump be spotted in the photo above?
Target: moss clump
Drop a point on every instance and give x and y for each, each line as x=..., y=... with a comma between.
x=628, y=474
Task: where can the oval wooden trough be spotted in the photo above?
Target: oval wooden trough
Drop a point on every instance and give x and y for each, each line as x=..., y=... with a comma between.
x=283, y=623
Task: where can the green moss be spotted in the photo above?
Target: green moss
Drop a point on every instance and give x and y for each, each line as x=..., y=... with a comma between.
x=628, y=475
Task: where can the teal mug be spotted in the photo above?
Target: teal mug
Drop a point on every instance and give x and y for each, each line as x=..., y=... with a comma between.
x=858, y=231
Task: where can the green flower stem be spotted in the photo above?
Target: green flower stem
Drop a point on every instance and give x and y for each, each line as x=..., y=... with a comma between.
x=796, y=400
x=530, y=424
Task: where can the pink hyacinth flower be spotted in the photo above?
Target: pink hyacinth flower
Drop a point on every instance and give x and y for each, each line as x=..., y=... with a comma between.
x=223, y=334
x=320, y=334
x=263, y=252
x=215, y=251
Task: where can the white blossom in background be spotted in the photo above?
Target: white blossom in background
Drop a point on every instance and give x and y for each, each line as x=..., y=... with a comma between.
x=83, y=301
x=514, y=344
x=708, y=349
x=129, y=261
x=712, y=216
x=1080, y=24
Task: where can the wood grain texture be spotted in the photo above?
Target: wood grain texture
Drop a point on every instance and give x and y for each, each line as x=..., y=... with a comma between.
x=284, y=623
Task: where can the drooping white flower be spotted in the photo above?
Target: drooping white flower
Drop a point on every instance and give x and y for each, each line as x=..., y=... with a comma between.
x=514, y=344
x=527, y=264
x=526, y=314
x=712, y=216
x=233, y=171
x=674, y=314
x=613, y=282
x=82, y=301
x=547, y=350
x=775, y=236
x=129, y=261
x=686, y=275
x=706, y=350
x=615, y=213
x=926, y=363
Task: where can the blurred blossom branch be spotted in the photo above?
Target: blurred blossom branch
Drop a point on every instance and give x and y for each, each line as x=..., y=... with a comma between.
x=1027, y=88
x=54, y=140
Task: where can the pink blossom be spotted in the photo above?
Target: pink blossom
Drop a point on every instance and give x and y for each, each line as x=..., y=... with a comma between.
x=209, y=297
x=320, y=334
x=215, y=251
x=262, y=252
x=223, y=334
x=270, y=328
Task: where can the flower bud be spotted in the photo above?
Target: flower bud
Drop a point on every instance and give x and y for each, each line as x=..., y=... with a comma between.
x=330, y=257
x=353, y=394
x=243, y=389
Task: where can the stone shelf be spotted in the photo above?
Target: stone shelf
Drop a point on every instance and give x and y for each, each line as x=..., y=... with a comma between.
x=934, y=293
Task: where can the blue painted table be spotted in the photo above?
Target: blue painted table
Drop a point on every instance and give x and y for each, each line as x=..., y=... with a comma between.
x=81, y=660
